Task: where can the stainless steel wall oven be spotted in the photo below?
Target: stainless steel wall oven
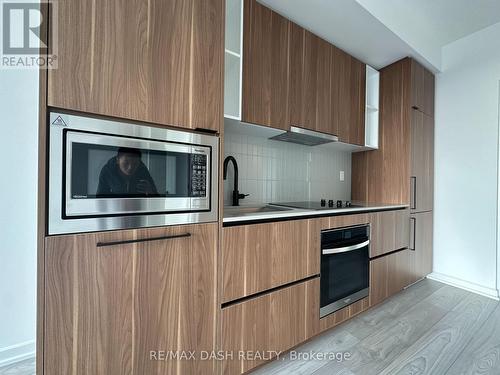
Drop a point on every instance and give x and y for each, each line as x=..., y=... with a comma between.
x=106, y=175
x=345, y=267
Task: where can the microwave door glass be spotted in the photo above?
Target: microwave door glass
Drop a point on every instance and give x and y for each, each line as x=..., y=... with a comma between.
x=107, y=171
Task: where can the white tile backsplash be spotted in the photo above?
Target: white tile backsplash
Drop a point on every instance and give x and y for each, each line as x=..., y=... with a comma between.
x=273, y=171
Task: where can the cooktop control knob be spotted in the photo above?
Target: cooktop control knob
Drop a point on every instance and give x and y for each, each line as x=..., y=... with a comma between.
x=323, y=202
x=330, y=203
x=339, y=204
x=348, y=204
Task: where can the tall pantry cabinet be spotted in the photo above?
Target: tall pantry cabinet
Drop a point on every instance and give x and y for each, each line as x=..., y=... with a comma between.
x=110, y=300
x=401, y=170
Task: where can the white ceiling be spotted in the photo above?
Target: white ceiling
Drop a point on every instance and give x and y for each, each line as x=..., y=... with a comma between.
x=380, y=32
x=444, y=21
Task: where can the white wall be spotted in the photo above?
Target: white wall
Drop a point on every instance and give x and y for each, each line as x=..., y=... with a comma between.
x=466, y=156
x=273, y=171
x=18, y=189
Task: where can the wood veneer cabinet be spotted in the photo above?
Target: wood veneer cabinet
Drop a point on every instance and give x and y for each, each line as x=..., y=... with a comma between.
x=405, y=145
x=310, y=90
x=390, y=231
x=276, y=321
x=259, y=257
x=421, y=227
x=348, y=91
x=291, y=77
x=383, y=175
x=401, y=171
x=422, y=89
x=159, y=61
x=265, y=66
x=422, y=162
x=107, y=307
x=389, y=274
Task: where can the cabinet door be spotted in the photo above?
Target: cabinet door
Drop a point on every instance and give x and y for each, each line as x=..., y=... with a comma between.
x=108, y=306
x=348, y=86
x=422, y=89
x=309, y=81
x=265, y=66
x=158, y=61
x=429, y=93
x=358, y=103
x=422, y=162
x=259, y=257
x=323, y=106
x=417, y=86
x=276, y=321
x=389, y=274
x=421, y=234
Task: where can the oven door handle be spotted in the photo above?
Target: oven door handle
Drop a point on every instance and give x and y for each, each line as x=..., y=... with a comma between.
x=338, y=250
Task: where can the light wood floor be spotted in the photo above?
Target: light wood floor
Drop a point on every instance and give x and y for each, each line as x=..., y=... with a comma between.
x=430, y=328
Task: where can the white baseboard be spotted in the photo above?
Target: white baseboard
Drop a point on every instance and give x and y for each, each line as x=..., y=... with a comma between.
x=466, y=285
x=16, y=353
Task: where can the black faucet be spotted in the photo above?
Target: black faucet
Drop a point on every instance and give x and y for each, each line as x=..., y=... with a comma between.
x=236, y=194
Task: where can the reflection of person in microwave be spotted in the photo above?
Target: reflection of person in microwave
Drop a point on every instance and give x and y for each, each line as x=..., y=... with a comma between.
x=125, y=175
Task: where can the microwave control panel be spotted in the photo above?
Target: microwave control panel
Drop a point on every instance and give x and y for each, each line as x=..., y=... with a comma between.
x=198, y=175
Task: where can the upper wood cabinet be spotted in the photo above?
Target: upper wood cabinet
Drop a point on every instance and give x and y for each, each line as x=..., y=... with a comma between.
x=107, y=306
x=422, y=162
x=265, y=66
x=292, y=77
x=159, y=61
x=259, y=257
x=310, y=90
x=422, y=89
x=348, y=86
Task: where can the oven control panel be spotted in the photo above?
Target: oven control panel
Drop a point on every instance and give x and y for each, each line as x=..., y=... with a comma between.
x=198, y=175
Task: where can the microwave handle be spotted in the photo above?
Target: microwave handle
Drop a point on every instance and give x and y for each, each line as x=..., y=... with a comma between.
x=104, y=244
x=339, y=250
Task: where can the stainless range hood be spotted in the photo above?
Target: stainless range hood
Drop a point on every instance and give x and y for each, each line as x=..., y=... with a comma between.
x=305, y=137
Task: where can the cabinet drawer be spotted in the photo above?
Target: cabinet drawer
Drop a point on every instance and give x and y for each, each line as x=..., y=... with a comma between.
x=259, y=257
x=389, y=274
x=390, y=230
x=276, y=321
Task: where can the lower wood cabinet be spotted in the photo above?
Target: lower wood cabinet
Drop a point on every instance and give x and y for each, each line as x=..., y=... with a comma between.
x=390, y=231
x=389, y=274
x=421, y=225
x=259, y=257
x=267, y=324
x=110, y=308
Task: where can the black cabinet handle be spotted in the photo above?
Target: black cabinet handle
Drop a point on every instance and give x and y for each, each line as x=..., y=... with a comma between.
x=414, y=237
x=413, y=203
x=104, y=244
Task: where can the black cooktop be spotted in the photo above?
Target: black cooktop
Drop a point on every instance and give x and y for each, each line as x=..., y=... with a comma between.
x=318, y=205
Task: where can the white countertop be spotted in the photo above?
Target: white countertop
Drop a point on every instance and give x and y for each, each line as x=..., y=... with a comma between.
x=235, y=218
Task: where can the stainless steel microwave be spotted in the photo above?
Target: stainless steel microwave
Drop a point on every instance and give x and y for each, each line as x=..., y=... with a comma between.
x=106, y=175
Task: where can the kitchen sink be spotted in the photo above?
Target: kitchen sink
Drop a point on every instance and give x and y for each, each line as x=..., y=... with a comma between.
x=232, y=211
